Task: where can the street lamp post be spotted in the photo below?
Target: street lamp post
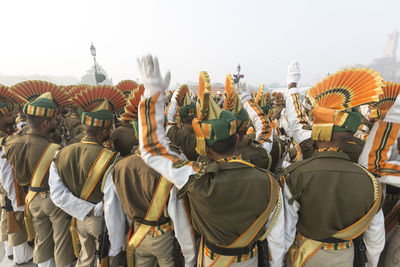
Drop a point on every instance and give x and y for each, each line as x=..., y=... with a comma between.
x=238, y=76
x=93, y=52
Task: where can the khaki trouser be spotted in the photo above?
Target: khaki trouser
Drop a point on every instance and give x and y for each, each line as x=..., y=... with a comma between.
x=334, y=258
x=19, y=237
x=3, y=219
x=328, y=258
x=393, y=252
x=252, y=262
x=51, y=225
x=88, y=232
x=155, y=249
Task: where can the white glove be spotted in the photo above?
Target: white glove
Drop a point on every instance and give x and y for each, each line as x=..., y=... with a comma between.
x=244, y=92
x=149, y=69
x=98, y=209
x=293, y=75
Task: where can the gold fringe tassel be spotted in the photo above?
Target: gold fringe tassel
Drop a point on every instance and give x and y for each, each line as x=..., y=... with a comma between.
x=322, y=132
x=200, y=139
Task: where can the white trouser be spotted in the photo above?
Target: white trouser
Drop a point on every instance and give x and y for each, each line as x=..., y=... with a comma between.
x=22, y=253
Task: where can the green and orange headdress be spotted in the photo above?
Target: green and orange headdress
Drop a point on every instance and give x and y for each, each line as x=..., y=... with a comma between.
x=132, y=104
x=212, y=124
x=43, y=99
x=131, y=108
x=263, y=100
x=390, y=92
x=232, y=103
x=186, y=107
x=336, y=97
x=127, y=87
x=8, y=100
x=98, y=104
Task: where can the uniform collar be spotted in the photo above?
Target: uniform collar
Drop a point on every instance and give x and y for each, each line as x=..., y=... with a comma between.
x=40, y=134
x=90, y=140
x=331, y=154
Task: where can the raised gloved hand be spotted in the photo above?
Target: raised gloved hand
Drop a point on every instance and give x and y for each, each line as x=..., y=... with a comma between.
x=150, y=75
x=244, y=92
x=293, y=75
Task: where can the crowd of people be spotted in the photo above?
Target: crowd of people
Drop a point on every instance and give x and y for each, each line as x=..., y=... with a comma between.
x=139, y=175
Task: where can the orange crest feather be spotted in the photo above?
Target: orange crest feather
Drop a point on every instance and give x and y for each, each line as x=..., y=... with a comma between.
x=91, y=97
x=133, y=100
x=203, y=95
x=182, y=91
x=259, y=95
x=127, y=87
x=230, y=99
x=390, y=93
x=348, y=88
x=30, y=90
x=7, y=96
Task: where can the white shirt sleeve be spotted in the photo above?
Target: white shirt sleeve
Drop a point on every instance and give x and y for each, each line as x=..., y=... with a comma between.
x=374, y=239
x=114, y=216
x=154, y=146
x=7, y=179
x=64, y=199
x=182, y=226
x=291, y=218
x=382, y=159
x=296, y=117
x=261, y=123
x=276, y=239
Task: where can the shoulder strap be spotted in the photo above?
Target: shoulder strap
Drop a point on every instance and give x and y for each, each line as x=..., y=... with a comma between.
x=43, y=164
x=96, y=172
x=297, y=164
x=41, y=169
x=153, y=213
x=362, y=224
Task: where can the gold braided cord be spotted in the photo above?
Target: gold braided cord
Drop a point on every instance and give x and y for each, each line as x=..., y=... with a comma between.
x=273, y=220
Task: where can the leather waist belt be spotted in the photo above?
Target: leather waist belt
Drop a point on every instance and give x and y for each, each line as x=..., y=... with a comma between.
x=153, y=223
x=229, y=251
x=39, y=189
x=332, y=240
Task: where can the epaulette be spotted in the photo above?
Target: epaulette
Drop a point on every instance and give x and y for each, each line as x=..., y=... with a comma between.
x=255, y=143
x=297, y=164
x=175, y=148
x=272, y=174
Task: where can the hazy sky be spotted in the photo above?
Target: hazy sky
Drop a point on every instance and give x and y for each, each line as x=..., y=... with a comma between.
x=53, y=37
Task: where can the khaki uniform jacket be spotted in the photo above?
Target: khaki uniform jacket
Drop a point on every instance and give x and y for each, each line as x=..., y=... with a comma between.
x=24, y=152
x=73, y=164
x=333, y=193
x=136, y=183
x=185, y=139
x=220, y=205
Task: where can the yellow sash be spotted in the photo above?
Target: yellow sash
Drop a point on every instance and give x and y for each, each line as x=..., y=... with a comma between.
x=96, y=172
x=250, y=234
x=154, y=212
x=309, y=247
x=39, y=173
